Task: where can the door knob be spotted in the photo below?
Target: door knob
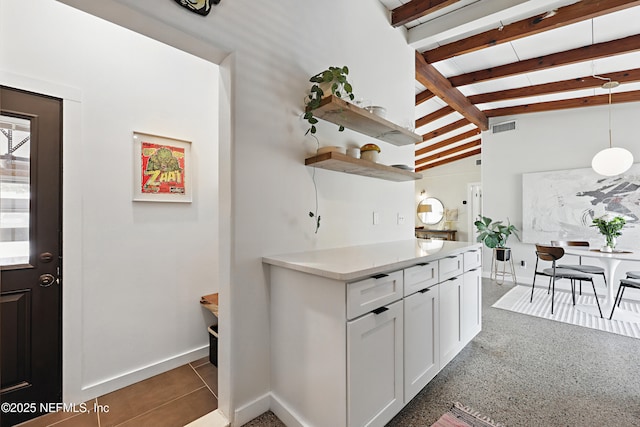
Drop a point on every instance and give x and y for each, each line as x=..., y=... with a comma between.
x=46, y=280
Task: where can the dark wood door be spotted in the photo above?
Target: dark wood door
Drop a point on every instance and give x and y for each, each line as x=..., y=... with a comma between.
x=30, y=254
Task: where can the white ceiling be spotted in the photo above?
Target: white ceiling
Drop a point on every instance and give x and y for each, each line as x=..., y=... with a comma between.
x=470, y=17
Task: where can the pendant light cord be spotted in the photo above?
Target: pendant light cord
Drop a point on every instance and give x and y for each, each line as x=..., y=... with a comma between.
x=610, y=137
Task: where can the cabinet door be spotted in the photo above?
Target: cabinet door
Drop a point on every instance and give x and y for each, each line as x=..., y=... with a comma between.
x=367, y=295
x=450, y=266
x=472, y=259
x=421, y=340
x=420, y=276
x=450, y=334
x=374, y=367
x=471, y=305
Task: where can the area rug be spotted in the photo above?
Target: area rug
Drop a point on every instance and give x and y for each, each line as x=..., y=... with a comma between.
x=517, y=300
x=462, y=416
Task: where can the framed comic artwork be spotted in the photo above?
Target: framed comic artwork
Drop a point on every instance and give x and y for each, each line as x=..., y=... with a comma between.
x=162, y=169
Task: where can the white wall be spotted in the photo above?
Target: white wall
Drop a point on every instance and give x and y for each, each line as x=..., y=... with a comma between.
x=134, y=271
x=565, y=139
x=448, y=183
x=276, y=46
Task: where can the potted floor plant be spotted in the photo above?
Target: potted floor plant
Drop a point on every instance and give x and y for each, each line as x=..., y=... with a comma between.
x=494, y=234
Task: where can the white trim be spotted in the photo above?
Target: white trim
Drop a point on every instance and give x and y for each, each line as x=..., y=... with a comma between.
x=39, y=86
x=251, y=410
x=212, y=419
x=111, y=384
x=285, y=414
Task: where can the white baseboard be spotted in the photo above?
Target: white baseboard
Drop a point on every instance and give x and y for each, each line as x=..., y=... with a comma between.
x=286, y=415
x=251, y=410
x=212, y=419
x=92, y=391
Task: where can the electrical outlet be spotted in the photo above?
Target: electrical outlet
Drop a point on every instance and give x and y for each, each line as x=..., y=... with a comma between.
x=376, y=218
x=523, y=263
x=400, y=219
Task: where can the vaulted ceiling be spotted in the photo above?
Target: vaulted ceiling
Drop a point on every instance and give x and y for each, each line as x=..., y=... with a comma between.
x=481, y=59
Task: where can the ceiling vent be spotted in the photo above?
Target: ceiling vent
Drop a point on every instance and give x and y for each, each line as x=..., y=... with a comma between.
x=504, y=127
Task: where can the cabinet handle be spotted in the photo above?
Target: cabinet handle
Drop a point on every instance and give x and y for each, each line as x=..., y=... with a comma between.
x=380, y=310
x=422, y=264
x=453, y=278
x=380, y=276
x=474, y=269
x=451, y=256
x=424, y=291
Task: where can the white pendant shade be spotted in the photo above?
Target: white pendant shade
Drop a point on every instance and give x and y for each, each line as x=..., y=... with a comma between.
x=612, y=161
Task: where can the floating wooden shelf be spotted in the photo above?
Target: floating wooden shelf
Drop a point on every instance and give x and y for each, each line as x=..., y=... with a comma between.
x=340, y=112
x=342, y=163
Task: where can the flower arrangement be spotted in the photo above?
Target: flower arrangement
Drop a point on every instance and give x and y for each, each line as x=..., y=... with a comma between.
x=609, y=226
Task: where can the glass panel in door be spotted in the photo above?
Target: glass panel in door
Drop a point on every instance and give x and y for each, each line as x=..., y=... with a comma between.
x=15, y=149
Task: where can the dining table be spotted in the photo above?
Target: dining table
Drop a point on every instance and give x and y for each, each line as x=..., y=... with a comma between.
x=610, y=262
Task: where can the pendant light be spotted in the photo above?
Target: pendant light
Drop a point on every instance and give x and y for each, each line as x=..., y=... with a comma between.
x=613, y=160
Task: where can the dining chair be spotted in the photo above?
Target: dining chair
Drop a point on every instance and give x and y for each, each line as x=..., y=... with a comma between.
x=583, y=268
x=633, y=274
x=632, y=281
x=553, y=254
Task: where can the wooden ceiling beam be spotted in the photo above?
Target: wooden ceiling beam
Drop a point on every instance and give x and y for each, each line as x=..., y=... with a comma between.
x=449, y=152
x=577, y=12
x=582, y=54
x=448, y=141
x=616, y=98
x=449, y=160
x=431, y=78
x=445, y=129
x=423, y=96
x=438, y=114
x=417, y=9
x=587, y=82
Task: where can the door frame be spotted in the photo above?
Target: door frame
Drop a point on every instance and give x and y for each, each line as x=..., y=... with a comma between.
x=73, y=387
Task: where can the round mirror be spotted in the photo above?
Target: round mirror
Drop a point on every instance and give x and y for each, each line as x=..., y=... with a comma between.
x=430, y=211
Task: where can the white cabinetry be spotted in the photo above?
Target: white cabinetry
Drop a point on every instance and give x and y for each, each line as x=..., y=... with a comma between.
x=352, y=348
x=420, y=276
x=366, y=295
x=421, y=340
x=374, y=366
x=450, y=336
x=471, y=304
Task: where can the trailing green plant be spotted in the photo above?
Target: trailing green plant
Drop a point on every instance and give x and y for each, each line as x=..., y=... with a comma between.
x=494, y=234
x=340, y=87
x=610, y=227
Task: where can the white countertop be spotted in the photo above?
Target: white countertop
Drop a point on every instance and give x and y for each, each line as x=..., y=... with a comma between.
x=356, y=262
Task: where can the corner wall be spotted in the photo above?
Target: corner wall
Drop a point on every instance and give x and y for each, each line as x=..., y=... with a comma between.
x=276, y=47
x=133, y=271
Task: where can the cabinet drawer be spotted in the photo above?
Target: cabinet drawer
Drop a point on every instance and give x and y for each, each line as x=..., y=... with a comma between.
x=449, y=267
x=472, y=259
x=420, y=276
x=369, y=294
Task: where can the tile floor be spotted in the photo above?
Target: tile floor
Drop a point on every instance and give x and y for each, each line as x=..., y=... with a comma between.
x=171, y=399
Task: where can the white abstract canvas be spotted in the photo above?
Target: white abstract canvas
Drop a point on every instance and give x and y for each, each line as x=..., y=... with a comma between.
x=560, y=205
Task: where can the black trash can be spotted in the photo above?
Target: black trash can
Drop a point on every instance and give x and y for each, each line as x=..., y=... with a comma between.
x=213, y=344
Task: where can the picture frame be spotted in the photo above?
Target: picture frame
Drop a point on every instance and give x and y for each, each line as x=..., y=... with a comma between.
x=162, y=169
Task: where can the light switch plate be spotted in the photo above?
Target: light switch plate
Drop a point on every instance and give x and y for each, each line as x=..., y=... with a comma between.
x=376, y=218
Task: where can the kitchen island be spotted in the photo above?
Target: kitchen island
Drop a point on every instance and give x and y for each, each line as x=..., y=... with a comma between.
x=357, y=332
